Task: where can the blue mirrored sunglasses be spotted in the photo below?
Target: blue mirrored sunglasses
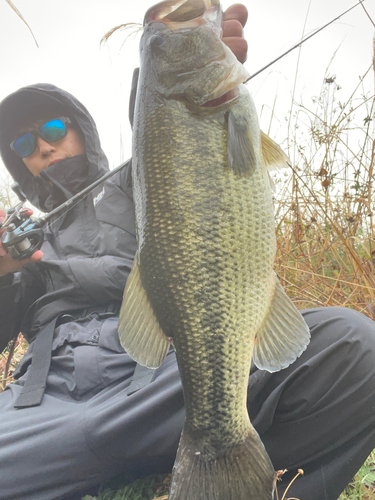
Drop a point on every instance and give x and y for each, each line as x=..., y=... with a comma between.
x=51, y=131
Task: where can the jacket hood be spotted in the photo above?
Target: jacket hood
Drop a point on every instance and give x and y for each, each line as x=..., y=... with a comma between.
x=12, y=109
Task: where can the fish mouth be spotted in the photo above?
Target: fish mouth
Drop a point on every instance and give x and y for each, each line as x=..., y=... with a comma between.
x=189, y=13
x=185, y=15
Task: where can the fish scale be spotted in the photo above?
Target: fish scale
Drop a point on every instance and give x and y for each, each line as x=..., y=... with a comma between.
x=203, y=273
x=215, y=325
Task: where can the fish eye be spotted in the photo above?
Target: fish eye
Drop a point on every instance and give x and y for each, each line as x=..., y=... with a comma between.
x=156, y=41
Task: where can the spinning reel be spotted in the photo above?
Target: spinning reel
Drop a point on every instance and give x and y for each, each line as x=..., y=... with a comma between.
x=23, y=235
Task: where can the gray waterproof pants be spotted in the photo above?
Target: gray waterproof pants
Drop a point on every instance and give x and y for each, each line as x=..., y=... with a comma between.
x=318, y=415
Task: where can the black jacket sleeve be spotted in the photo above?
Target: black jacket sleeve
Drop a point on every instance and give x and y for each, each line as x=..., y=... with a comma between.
x=17, y=294
x=9, y=319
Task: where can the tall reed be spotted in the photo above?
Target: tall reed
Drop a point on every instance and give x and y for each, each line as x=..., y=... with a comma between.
x=325, y=207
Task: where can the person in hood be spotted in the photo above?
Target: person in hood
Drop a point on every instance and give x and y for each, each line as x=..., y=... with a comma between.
x=81, y=410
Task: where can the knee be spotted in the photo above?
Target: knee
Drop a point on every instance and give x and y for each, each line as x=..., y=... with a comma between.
x=340, y=324
x=343, y=334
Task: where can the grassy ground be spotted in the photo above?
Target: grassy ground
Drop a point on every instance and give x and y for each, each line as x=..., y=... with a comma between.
x=363, y=485
x=157, y=486
x=325, y=213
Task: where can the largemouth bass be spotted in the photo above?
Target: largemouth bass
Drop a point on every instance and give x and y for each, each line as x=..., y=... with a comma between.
x=203, y=273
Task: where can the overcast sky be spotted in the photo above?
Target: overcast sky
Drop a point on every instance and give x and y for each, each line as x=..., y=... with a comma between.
x=69, y=54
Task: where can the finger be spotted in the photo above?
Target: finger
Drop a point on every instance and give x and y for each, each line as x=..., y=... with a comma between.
x=232, y=28
x=238, y=12
x=238, y=46
x=9, y=265
x=26, y=212
x=36, y=256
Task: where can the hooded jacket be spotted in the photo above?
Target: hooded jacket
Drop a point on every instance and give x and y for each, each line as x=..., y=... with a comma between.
x=89, y=250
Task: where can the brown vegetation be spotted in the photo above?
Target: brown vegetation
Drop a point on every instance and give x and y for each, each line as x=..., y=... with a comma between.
x=325, y=209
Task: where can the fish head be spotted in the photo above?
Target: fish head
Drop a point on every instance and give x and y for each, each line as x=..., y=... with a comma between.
x=182, y=54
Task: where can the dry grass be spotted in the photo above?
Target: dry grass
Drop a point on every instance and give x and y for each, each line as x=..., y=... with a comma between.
x=12, y=6
x=9, y=360
x=325, y=205
x=133, y=28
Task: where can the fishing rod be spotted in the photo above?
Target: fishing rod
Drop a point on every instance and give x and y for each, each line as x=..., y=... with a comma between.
x=24, y=235
x=303, y=41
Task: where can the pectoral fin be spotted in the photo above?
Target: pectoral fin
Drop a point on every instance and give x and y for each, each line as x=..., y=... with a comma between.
x=139, y=331
x=240, y=150
x=283, y=335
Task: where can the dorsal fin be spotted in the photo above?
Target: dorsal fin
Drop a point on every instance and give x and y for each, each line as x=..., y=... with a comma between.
x=274, y=157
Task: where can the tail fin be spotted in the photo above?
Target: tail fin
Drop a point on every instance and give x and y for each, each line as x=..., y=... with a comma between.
x=245, y=473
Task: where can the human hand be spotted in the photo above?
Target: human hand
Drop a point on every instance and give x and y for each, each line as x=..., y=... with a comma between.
x=7, y=263
x=234, y=20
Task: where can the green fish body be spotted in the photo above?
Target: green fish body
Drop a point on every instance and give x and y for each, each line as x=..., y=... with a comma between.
x=203, y=274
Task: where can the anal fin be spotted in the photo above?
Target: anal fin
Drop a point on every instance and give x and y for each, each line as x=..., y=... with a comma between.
x=139, y=330
x=283, y=335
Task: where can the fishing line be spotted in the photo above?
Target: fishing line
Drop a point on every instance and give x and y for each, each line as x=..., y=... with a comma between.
x=303, y=40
